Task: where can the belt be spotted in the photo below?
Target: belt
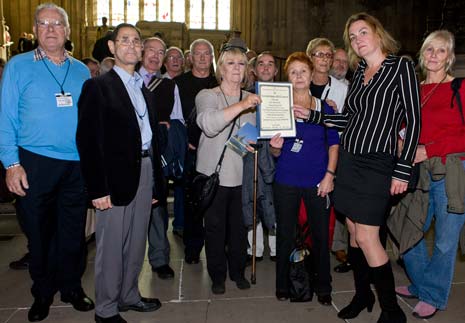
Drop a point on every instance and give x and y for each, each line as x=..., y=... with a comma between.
x=145, y=153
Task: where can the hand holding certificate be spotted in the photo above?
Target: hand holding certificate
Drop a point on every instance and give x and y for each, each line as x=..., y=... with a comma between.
x=275, y=114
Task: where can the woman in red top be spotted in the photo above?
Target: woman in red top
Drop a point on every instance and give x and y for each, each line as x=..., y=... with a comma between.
x=442, y=134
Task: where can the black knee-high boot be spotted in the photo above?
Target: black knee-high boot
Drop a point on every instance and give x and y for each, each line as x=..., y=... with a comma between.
x=364, y=297
x=384, y=283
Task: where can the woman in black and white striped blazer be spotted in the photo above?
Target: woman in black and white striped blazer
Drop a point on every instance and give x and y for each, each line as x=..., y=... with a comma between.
x=384, y=93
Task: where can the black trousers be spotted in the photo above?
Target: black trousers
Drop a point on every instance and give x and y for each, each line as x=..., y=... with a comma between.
x=194, y=231
x=226, y=235
x=53, y=215
x=287, y=202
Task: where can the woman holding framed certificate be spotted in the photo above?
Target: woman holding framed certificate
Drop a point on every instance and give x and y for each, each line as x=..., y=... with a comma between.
x=305, y=170
x=220, y=113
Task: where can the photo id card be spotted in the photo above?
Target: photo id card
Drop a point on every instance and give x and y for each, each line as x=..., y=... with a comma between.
x=64, y=100
x=297, y=146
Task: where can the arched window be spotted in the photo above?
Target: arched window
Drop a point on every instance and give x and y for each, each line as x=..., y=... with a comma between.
x=197, y=14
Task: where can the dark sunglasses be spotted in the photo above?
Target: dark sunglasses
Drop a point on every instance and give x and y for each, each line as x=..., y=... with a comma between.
x=227, y=47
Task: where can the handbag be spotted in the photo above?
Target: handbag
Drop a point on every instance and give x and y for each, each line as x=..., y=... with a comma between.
x=300, y=280
x=300, y=288
x=206, y=186
x=204, y=190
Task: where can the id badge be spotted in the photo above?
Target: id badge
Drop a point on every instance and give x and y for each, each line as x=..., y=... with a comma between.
x=64, y=100
x=297, y=146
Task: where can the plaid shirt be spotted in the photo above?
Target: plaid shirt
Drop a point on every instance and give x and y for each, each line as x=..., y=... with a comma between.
x=40, y=54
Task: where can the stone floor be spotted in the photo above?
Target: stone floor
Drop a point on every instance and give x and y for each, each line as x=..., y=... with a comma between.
x=188, y=299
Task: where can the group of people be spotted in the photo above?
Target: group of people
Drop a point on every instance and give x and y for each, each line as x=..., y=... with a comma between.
x=118, y=137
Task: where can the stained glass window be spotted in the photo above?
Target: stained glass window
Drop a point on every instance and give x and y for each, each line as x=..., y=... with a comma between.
x=209, y=14
x=179, y=11
x=195, y=9
x=164, y=10
x=150, y=10
x=132, y=16
x=201, y=14
x=224, y=14
x=103, y=10
x=117, y=12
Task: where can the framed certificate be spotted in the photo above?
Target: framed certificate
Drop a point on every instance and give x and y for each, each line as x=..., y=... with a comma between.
x=275, y=114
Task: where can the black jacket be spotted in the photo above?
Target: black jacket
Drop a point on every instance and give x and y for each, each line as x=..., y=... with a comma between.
x=109, y=141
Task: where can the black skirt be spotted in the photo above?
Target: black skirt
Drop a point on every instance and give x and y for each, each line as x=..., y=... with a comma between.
x=362, y=188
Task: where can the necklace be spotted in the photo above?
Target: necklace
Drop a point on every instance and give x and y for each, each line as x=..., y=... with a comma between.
x=427, y=96
x=224, y=96
x=227, y=103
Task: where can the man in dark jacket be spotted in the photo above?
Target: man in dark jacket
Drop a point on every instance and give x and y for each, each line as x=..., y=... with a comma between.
x=190, y=84
x=116, y=138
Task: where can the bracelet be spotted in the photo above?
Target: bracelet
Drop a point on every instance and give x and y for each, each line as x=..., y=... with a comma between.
x=308, y=118
x=331, y=172
x=13, y=165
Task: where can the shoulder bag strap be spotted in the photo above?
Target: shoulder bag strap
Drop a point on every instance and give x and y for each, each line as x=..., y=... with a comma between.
x=455, y=85
x=218, y=166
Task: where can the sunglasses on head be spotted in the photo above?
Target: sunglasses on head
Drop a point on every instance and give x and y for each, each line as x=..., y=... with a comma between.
x=227, y=47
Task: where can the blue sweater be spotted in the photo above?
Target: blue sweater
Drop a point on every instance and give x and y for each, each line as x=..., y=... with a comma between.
x=306, y=168
x=29, y=116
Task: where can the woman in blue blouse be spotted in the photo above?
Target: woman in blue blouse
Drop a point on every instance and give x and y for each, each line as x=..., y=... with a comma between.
x=305, y=170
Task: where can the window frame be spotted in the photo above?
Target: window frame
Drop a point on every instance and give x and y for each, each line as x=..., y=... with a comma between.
x=98, y=18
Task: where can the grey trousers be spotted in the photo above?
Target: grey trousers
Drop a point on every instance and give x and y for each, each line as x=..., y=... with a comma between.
x=120, y=235
x=159, y=246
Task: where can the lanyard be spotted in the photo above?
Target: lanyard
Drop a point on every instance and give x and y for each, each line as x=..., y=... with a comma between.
x=329, y=89
x=64, y=80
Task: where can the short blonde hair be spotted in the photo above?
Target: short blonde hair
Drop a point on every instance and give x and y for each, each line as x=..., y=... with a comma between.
x=317, y=42
x=228, y=53
x=388, y=44
x=448, y=38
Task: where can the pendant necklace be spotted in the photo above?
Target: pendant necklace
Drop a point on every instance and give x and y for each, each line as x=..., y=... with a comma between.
x=427, y=96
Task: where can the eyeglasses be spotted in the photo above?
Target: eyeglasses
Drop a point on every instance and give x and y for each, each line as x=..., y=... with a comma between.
x=44, y=24
x=174, y=58
x=322, y=55
x=198, y=54
x=155, y=51
x=128, y=42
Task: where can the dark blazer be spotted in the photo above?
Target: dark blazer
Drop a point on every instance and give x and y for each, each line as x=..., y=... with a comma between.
x=109, y=140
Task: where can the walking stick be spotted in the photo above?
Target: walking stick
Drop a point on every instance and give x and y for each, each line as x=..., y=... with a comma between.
x=253, y=278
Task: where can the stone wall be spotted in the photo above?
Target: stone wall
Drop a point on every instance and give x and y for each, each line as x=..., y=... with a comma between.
x=282, y=26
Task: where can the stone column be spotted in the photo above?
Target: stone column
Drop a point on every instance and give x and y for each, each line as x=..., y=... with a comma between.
x=3, y=48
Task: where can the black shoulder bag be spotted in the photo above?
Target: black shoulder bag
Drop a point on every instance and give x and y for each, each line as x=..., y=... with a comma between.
x=206, y=186
x=455, y=85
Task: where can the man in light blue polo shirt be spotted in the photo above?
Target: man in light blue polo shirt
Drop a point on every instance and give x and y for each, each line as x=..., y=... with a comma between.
x=38, y=119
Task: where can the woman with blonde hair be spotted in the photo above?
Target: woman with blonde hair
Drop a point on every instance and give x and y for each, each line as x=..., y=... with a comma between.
x=383, y=94
x=442, y=141
x=219, y=110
